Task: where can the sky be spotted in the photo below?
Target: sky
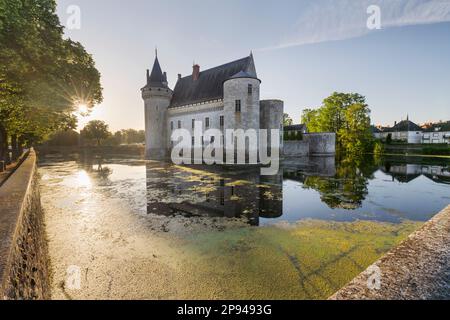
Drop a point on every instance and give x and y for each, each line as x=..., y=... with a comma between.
x=304, y=50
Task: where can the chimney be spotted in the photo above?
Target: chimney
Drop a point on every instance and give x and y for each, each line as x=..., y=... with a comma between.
x=195, y=72
x=179, y=76
x=148, y=75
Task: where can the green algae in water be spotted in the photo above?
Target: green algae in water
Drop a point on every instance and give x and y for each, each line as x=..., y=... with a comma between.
x=310, y=259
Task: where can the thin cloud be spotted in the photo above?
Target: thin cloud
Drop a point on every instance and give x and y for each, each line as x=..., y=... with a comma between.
x=333, y=20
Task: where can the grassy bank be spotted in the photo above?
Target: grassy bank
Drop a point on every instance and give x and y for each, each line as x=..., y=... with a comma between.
x=440, y=150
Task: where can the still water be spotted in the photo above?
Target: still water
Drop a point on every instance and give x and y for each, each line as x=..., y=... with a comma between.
x=145, y=229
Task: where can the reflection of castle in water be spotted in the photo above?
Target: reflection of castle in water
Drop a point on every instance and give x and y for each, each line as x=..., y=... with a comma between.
x=409, y=172
x=221, y=191
x=213, y=191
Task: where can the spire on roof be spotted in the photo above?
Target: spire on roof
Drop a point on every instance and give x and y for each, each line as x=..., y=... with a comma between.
x=250, y=68
x=156, y=78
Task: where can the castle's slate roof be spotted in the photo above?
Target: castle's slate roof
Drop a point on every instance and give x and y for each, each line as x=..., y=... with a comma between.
x=156, y=78
x=242, y=74
x=209, y=85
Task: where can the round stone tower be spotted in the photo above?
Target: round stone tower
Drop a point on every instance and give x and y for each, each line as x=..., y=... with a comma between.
x=157, y=96
x=271, y=117
x=241, y=101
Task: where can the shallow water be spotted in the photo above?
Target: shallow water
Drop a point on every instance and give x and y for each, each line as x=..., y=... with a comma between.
x=149, y=230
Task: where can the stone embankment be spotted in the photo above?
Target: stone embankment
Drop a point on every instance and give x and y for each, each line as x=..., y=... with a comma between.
x=419, y=268
x=23, y=247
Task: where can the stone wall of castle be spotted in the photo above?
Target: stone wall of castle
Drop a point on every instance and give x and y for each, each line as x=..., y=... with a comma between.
x=237, y=89
x=323, y=143
x=271, y=117
x=212, y=110
x=312, y=144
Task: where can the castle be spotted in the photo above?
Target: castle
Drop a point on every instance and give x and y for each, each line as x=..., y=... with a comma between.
x=224, y=97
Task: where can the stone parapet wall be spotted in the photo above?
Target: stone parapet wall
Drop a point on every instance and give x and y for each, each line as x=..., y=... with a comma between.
x=24, y=272
x=295, y=148
x=312, y=144
x=323, y=143
x=419, y=268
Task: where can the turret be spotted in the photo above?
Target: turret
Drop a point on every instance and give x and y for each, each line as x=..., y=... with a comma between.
x=241, y=99
x=157, y=96
x=271, y=117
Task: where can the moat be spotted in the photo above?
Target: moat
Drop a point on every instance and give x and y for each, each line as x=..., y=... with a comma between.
x=153, y=230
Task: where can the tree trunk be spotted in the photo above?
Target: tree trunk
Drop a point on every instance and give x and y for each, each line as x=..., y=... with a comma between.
x=14, y=147
x=20, y=145
x=2, y=144
x=2, y=147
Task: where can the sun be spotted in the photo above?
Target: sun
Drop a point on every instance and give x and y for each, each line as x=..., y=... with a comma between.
x=82, y=108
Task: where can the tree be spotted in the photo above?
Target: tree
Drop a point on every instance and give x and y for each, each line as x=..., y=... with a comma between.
x=65, y=138
x=354, y=135
x=42, y=75
x=96, y=130
x=287, y=120
x=389, y=138
x=310, y=119
x=130, y=136
x=378, y=148
x=346, y=114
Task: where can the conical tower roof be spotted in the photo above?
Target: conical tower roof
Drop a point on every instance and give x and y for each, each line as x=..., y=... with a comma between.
x=156, y=78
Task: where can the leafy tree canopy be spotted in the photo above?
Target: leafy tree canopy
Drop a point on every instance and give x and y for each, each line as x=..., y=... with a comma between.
x=346, y=114
x=287, y=120
x=43, y=77
x=96, y=130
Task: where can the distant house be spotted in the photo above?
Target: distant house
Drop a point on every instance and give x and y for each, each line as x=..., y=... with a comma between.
x=410, y=132
x=295, y=131
x=406, y=131
x=376, y=132
x=436, y=133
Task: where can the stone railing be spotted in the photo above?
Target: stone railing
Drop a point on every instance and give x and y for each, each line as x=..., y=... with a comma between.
x=419, y=268
x=23, y=247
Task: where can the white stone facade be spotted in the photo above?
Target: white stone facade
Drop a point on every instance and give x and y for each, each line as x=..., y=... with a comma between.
x=416, y=137
x=436, y=137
